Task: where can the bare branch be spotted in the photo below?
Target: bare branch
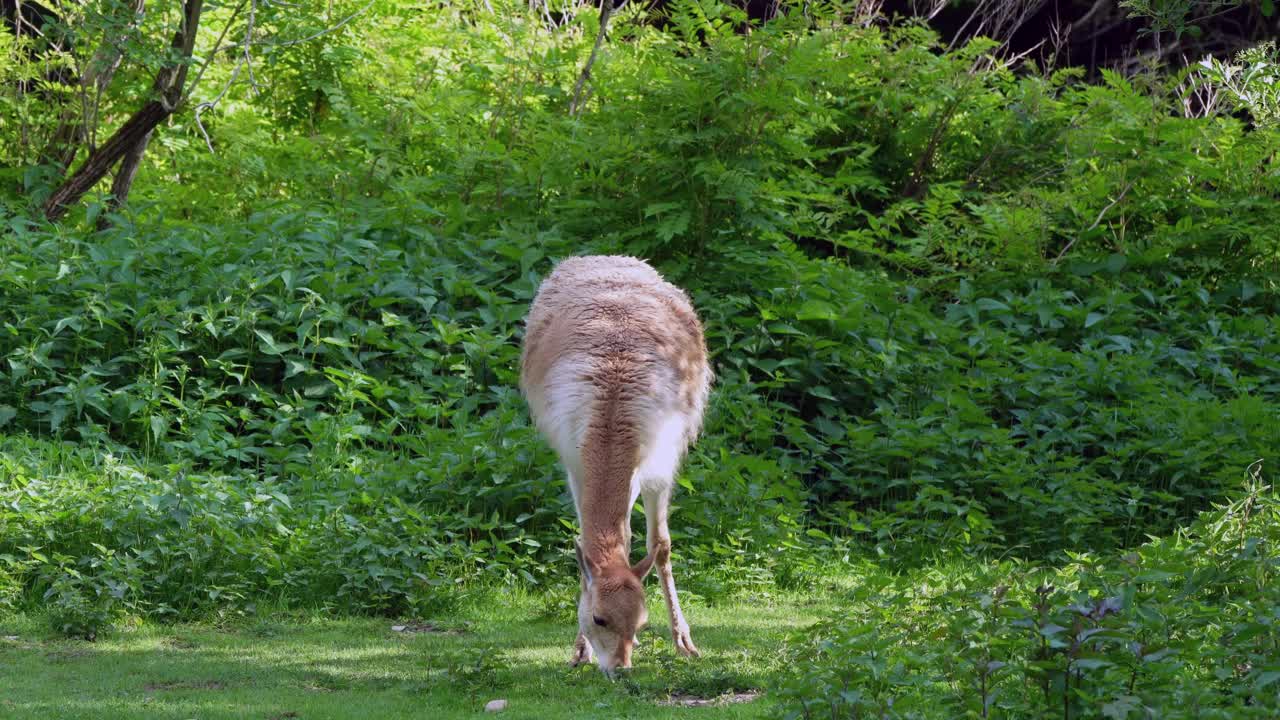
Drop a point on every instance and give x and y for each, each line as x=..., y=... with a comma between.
x=235, y=73
x=218, y=45
x=606, y=11
x=1096, y=221
x=248, y=39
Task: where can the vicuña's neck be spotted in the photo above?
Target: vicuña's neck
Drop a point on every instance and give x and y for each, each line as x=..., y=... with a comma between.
x=604, y=532
x=609, y=459
x=605, y=551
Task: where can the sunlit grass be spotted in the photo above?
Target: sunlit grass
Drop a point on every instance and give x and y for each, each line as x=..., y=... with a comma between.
x=499, y=645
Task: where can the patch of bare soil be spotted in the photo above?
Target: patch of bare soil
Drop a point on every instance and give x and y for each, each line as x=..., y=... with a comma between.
x=184, y=685
x=411, y=628
x=316, y=687
x=685, y=700
x=15, y=641
x=67, y=653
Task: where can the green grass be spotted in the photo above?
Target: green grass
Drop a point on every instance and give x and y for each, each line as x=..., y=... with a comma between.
x=286, y=667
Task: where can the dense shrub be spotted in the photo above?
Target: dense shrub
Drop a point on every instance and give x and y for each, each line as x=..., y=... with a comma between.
x=1048, y=414
x=371, y=381
x=952, y=306
x=1184, y=626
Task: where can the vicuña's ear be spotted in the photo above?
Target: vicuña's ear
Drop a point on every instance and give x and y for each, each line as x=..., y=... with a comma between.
x=582, y=560
x=643, y=567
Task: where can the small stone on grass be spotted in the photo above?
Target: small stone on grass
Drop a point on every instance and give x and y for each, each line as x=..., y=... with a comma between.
x=495, y=706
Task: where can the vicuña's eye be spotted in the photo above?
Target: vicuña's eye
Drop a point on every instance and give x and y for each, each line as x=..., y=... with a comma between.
x=599, y=620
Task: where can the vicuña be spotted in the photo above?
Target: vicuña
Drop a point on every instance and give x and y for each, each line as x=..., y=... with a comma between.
x=615, y=372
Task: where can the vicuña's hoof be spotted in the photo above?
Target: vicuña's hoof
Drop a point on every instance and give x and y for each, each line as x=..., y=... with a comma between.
x=581, y=652
x=684, y=644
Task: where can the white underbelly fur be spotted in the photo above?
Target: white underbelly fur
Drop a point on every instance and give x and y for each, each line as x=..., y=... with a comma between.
x=562, y=409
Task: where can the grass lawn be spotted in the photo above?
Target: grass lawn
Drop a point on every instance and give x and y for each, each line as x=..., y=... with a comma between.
x=314, y=668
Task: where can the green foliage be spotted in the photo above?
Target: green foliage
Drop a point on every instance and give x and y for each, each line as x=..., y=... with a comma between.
x=474, y=669
x=1022, y=415
x=83, y=602
x=1251, y=83
x=952, y=308
x=1176, y=16
x=1185, y=626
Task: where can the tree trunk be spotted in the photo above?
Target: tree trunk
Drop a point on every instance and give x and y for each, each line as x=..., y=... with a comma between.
x=124, y=179
x=132, y=136
x=76, y=122
x=104, y=158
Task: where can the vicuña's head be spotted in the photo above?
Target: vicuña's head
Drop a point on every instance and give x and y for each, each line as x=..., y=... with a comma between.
x=612, y=610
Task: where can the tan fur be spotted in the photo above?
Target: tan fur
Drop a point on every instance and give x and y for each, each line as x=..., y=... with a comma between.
x=615, y=371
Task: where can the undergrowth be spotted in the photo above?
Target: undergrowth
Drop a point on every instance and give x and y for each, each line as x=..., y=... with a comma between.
x=1184, y=626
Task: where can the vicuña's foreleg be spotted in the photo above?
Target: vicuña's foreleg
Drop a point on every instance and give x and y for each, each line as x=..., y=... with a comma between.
x=582, y=652
x=581, y=648
x=656, y=506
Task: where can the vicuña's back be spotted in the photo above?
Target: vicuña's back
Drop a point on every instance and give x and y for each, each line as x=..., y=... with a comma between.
x=615, y=371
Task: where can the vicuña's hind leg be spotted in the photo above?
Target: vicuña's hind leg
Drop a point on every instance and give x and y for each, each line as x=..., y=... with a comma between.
x=656, y=505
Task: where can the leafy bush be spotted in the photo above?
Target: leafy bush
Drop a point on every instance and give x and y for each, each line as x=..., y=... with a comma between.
x=85, y=602
x=1251, y=83
x=329, y=432
x=1184, y=626
x=952, y=308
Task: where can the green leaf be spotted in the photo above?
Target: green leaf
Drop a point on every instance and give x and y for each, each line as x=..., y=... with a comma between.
x=269, y=344
x=1115, y=263
x=823, y=392
x=829, y=428
x=1266, y=678
x=816, y=310
x=159, y=426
